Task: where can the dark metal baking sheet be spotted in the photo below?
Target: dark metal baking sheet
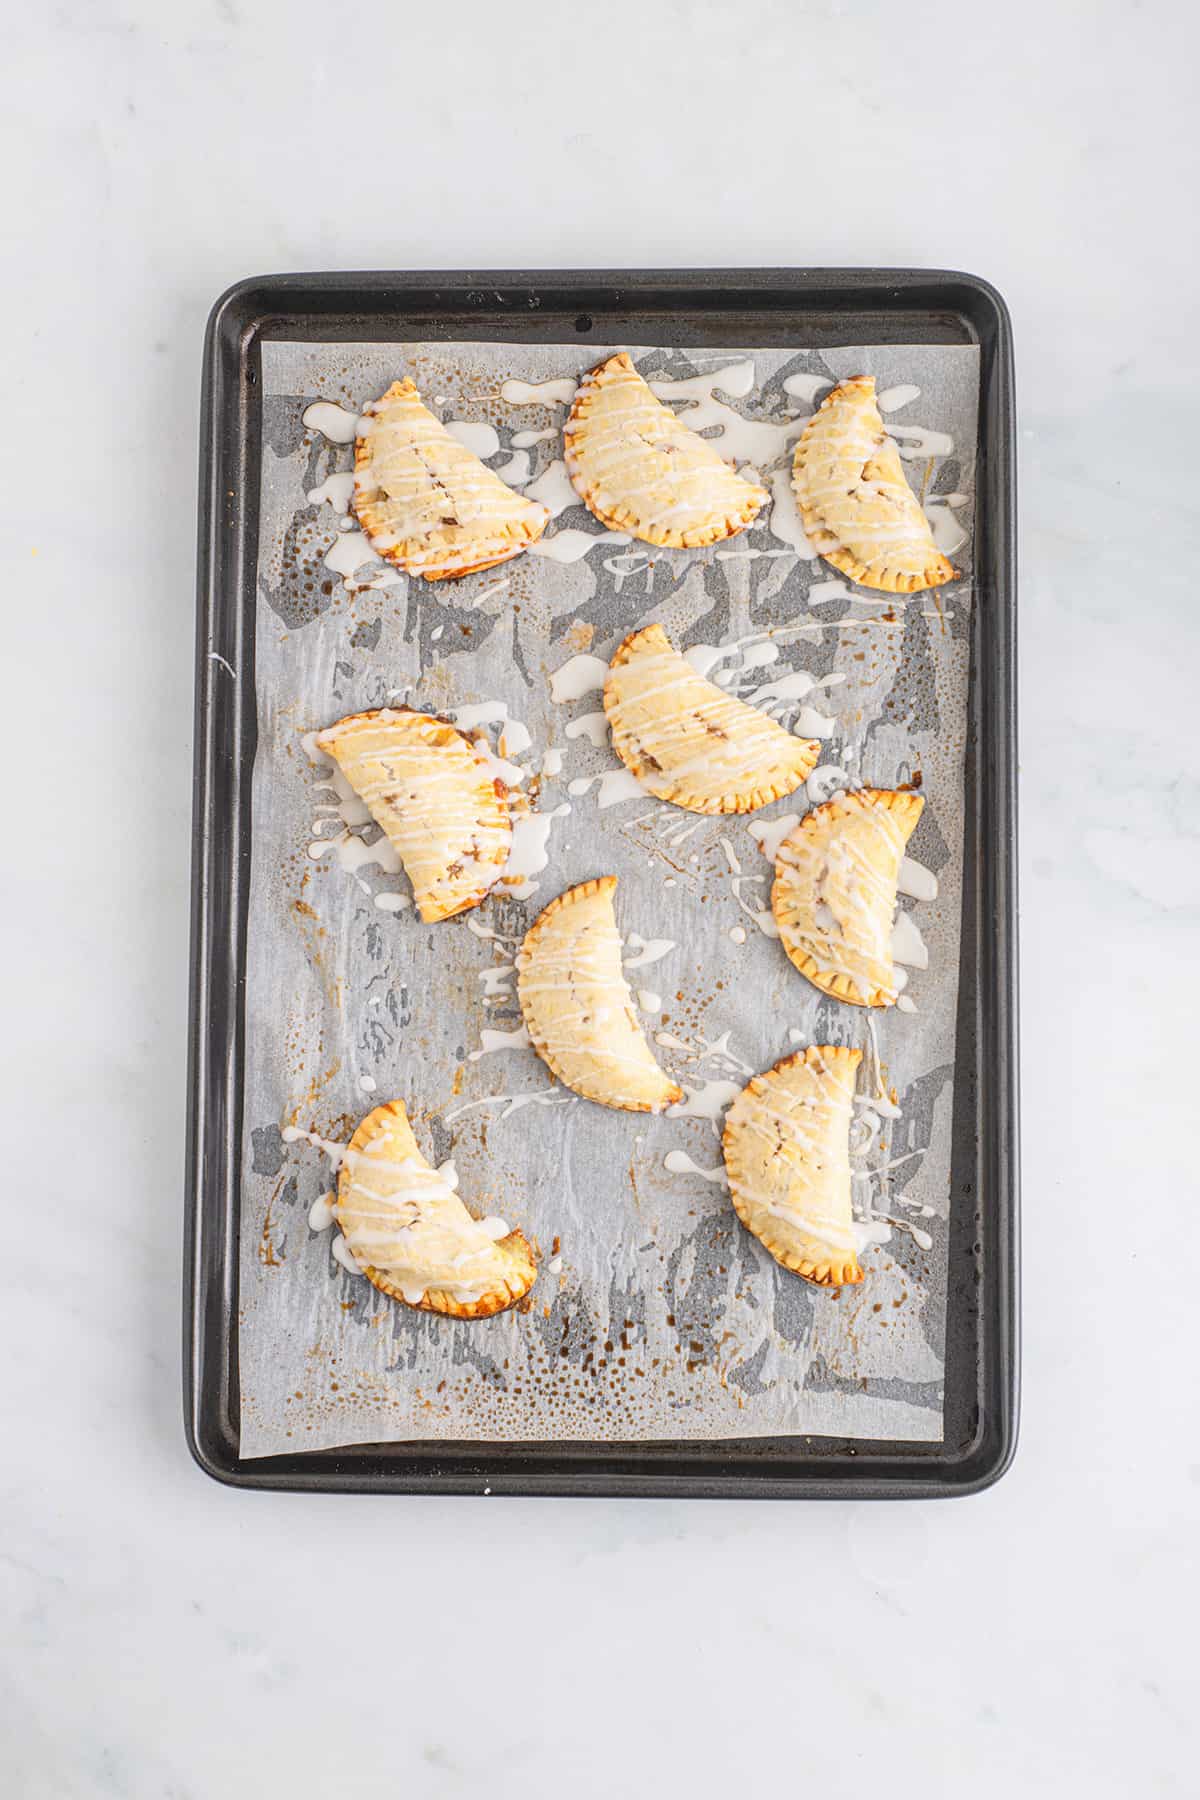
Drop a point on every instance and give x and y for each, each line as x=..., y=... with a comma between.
x=810, y=308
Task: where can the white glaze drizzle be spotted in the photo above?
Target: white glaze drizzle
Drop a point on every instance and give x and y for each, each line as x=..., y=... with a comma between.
x=578, y=676
x=735, y=437
x=616, y=787
x=680, y=1163
x=477, y=927
x=559, y=392
x=768, y=834
x=644, y=951
x=347, y=554
x=335, y=491
x=481, y=712
x=915, y=880
x=708, y=1050
x=513, y=1103
x=492, y=1041
x=343, y=1255
x=337, y=423
x=530, y=850
x=916, y=443
x=553, y=489
x=479, y=438
x=495, y=981
x=806, y=387
x=516, y=471
x=761, y=916
x=320, y=1213
x=949, y=534
x=624, y=567
x=908, y=946
x=785, y=522
x=572, y=545
x=593, y=726
x=827, y=780
x=707, y=1101
x=515, y=737
x=893, y=398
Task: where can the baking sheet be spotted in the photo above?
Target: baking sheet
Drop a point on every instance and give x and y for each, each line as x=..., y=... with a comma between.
x=658, y=1317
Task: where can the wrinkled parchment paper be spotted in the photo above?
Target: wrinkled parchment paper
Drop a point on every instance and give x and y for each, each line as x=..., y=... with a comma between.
x=655, y=1315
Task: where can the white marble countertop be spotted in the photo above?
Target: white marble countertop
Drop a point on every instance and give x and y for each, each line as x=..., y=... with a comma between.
x=166, y=1637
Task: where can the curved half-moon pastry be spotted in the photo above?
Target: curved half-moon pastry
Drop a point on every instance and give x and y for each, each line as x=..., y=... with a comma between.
x=688, y=741
x=432, y=792
x=577, y=1006
x=858, y=510
x=834, y=894
x=426, y=502
x=787, y=1154
x=638, y=468
x=411, y=1235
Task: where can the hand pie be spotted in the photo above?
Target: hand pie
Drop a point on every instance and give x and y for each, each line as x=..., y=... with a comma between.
x=834, y=894
x=688, y=741
x=411, y=1235
x=432, y=792
x=787, y=1154
x=577, y=1006
x=638, y=468
x=426, y=502
x=858, y=510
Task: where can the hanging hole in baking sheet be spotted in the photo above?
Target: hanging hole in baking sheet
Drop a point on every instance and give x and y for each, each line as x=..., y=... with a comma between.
x=583, y=322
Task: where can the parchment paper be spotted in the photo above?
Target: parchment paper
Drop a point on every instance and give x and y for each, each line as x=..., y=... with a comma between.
x=655, y=1315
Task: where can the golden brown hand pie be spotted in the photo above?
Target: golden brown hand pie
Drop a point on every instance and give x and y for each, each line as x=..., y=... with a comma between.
x=426, y=502
x=834, y=894
x=688, y=741
x=432, y=792
x=638, y=468
x=577, y=1006
x=411, y=1235
x=856, y=505
x=787, y=1154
